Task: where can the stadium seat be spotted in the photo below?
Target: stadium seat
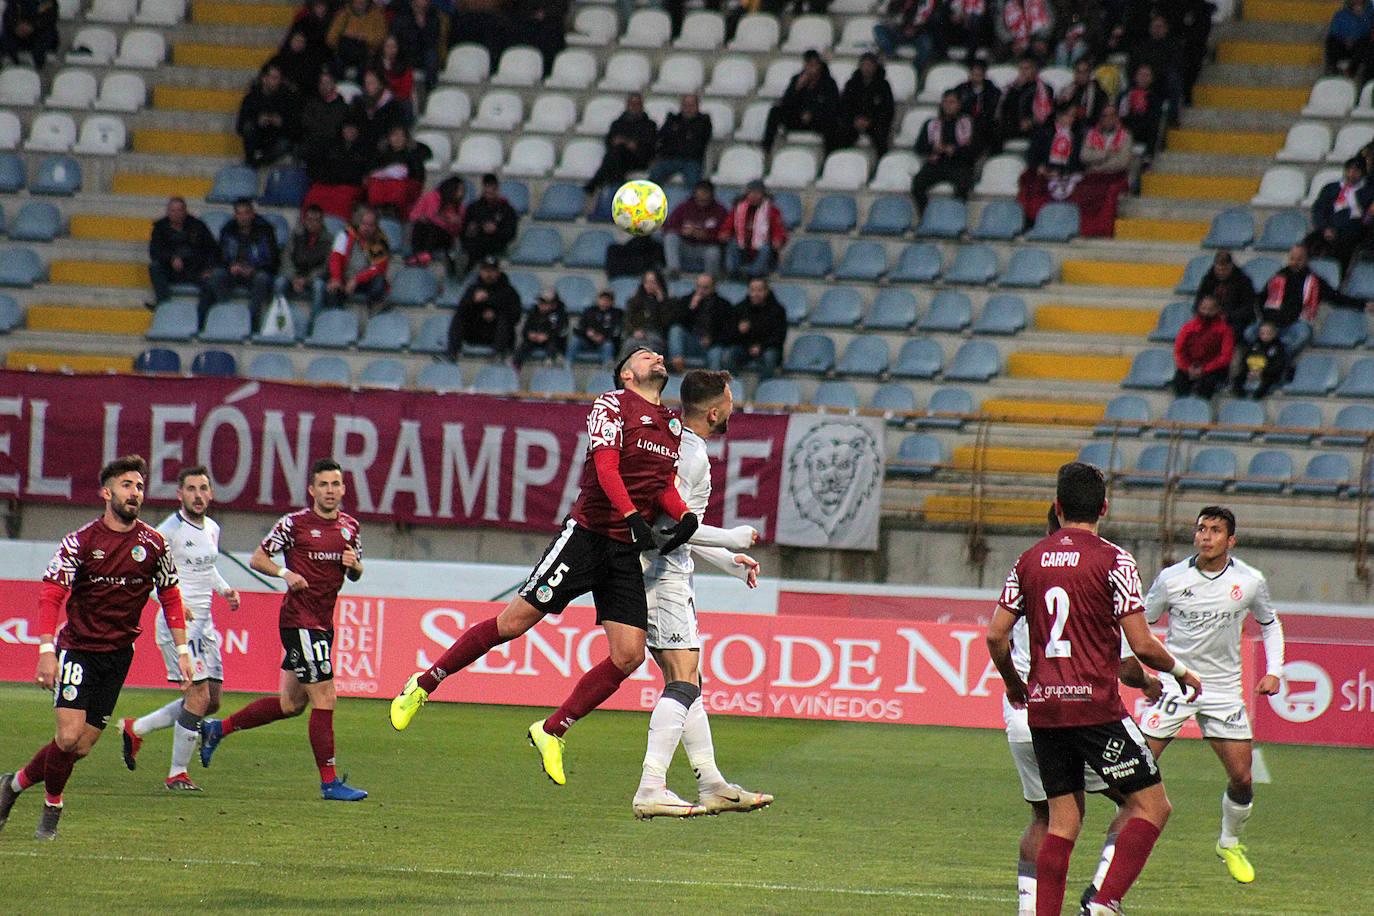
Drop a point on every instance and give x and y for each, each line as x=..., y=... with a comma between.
x=836, y=396
x=863, y=261
x=1331, y=97
x=739, y=165
x=834, y=213
x=499, y=110
x=383, y=373
x=175, y=319
x=733, y=76
x=329, y=370
x=1209, y=469
x=37, y=221
x=1237, y=419
x=778, y=391
x=1171, y=320
x=893, y=309
x=1321, y=179
x=144, y=49
x=1360, y=281
x=1316, y=374
x=440, y=149
x=13, y=173
x=1342, y=329
x=232, y=182
x=593, y=26
x=950, y=312
x=1356, y=425
x=389, y=330
x=111, y=11
x=946, y=408
x=552, y=113
x=1326, y=474
x=1056, y=222
x=1193, y=273
x=160, y=12
x=227, y=322
x=11, y=131
x=943, y=218
x=72, y=88
x=789, y=206
x=647, y=28
x=538, y=246
x=939, y=78
x=888, y=216
x=1269, y=471
x=794, y=301
x=286, y=186
x=573, y=68
x=1359, y=382
x=755, y=32
x=626, y=71
x=919, y=262
x=1329, y=269
x=214, y=363
x=479, y=153
x=840, y=307
x=792, y=167
x=520, y=65
x=51, y=131
x=1191, y=411
x=1028, y=268
x=440, y=378
x=808, y=32
x=1125, y=415
x=283, y=337
x=553, y=380
x=158, y=360
x=1280, y=186
x=432, y=337
x=589, y=249
x=808, y=258
x=776, y=77
x=702, y=30
x=19, y=87
x=1000, y=176
x=497, y=380
x=1350, y=139
x=1150, y=369
x=919, y=357
x=334, y=328
x=1107, y=456
x=1233, y=228
x=973, y=265
x=561, y=202
x=271, y=367
x=894, y=399
x=578, y=293
x=101, y=135
x=866, y=354
x=975, y=361
x=844, y=170
x=678, y=74
x=1282, y=231
x=1153, y=466
x=1000, y=220
x=59, y=176
x=1306, y=141
x=894, y=171
x=1296, y=424
x=811, y=353
x=413, y=286
x=911, y=124
x=93, y=46
x=1003, y=313
x=216, y=220
x=20, y=267
x=918, y=455
x=446, y=108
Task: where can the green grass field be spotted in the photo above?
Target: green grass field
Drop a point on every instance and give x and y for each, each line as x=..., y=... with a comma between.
x=868, y=819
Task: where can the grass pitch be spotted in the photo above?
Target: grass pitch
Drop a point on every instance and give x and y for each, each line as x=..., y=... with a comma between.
x=868, y=819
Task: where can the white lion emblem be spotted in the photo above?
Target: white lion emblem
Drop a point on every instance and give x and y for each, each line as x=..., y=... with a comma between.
x=834, y=469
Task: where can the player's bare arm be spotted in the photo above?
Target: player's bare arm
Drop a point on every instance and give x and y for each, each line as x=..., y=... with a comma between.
x=1133, y=674
x=268, y=567
x=999, y=647
x=1151, y=651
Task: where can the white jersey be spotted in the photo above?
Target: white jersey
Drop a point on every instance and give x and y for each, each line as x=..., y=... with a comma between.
x=1206, y=611
x=195, y=548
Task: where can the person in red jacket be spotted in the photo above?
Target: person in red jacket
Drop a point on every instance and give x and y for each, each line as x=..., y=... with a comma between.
x=1203, y=350
x=358, y=263
x=753, y=234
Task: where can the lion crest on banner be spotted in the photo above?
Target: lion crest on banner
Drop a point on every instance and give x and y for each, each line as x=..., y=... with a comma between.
x=834, y=469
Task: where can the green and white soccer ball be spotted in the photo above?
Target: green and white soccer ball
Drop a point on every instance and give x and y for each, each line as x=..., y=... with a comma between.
x=639, y=207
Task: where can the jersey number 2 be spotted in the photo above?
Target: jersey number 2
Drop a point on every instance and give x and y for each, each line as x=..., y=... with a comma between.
x=1057, y=602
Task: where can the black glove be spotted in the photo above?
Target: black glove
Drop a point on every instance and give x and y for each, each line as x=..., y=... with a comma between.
x=642, y=533
x=679, y=533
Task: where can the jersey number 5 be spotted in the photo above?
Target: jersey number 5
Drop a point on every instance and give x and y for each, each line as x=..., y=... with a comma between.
x=1057, y=602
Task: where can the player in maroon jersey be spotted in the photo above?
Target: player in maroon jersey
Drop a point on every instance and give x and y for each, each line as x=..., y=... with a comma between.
x=319, y=547
x=628, y=476
x=104, y=574
x=1079, y=595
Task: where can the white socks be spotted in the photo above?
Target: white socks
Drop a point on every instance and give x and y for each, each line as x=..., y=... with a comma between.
x=158, y=719
x=1025, y=895
x=701, y=753
x=1233, y=818
x=183, y=746
x=665, y=730
x=1103, y=864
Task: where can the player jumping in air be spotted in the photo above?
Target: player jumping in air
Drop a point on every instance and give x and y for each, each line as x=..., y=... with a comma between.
x=104, y=574
x=193, y=539
x=673, y=639
x=1079, y=594
x=627, y=479
x=319, y=547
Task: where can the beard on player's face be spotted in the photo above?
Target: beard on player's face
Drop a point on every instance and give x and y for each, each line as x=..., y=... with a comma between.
x=125, y=509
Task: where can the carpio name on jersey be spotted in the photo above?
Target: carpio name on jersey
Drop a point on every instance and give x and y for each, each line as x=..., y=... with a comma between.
x=1058, y=558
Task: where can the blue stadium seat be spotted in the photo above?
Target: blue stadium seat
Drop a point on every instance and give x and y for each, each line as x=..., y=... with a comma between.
x=864, y=260
x=383, y=373
x=1107, y=456
x=1329, y=269
x=840, y=307
x=1343, y=329
x=1268, y=472
x=389, y=330
x=1233, y=228
x=888, y=216
x=14, y=174
x=1152, y=466
x=1316, y=374
x=433, y=335
x=539, y=246
x=413, y=286
x=1282, y=231
x=20, y=267
x=918, y=455
x=38, y=221
x=1238, y=414
x=794, y=302
x=894, y=399
x=215, y=363
x=1296, y=424
x=942, y=403
x=1126, y=415
x=441, y=378
x=973, y=264
x=834, y=213
x=227, y=322
x=1210, y=469
x=1260, y=269
x=975, y=361
x=600, y=382
x=1056, y=222
x=526, y=283
x=1192, y=274
x=1356, y=424
x=789, y=204
x=950, y=311
x=517, y=194
x=1000, y=221
x=11, y=315
x=158, y=359
x=495, y=380
x=919, y=262
x=1150, y=369
x=1360, y=281
x=1171, y=320
x=601, y=206
x=589, y=249
x=335, y=328
x=282, y=230
x=623, y=288
x=577, y=293
x=731, y=290
x=271, y=367
x=1189, y=410
x=893, y=309
x=943, y=218
x=216, y=220
x=329, y=370
x=553, y=380
x=836, y=395
x=1003, y=313
x=275, y=337
x=808, y=258
x=286, y=186
x=1028, y=267
x=920, y=357
x=232, y=182
x=395, y=233
x=59, y=176
x=811, y=353
x=1326, y=474
x=781, y=391
x=561, y=203
x=866, y=354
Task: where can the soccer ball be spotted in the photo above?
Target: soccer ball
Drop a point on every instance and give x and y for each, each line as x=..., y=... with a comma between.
x=639, y=207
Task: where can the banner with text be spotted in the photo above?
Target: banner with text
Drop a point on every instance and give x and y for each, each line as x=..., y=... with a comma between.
x=1327, y=695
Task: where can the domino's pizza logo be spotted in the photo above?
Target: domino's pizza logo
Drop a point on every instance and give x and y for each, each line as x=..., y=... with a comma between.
x=1304, y=694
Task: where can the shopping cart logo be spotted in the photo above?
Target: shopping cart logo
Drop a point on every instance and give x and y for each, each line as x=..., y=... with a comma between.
x=1305, y=694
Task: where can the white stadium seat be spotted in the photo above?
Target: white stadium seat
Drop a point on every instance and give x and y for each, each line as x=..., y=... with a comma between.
x=1350, y=139
x=702, y=30
x=581, y=158
x=141, y=48
x=51, y=131
x=19, y=86
x=594, y=26
x=752, y=122
x=121, y=92
x=112, y=11
x=499, y=110
x=479, y=153
x=551, y=113
x=1000, y=176
x=857, y=36
x=733, y=77
x=468, y=63
x=530, y=157
x=520, y=65
x=11, y=131
x=809, y=33
x=939, y=78
x=649, y=28
x=573, y=68
x=446, y=107
x=777, y=76
x=1331, y=97
x=755, y=32
x=678, y=74
x=160, y=12
x=440, y=149
x=626, y=71
x=598, y=114
x=93, y=45
x=72, y=88
x=101, y=135
x=722, y=119
x=739, y=165
x=894, y=171
x=1320, y=180
x=1281, y=186
x=844, y=170
x=1307, y=141
x=912, y=122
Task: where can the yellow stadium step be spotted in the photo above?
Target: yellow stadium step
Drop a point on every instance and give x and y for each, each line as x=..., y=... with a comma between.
x=161, y=185
x=1270, y=53
x=27, y=360
x=1068, y=367
x=1225, y=142
x=187, y=143
x=99, y=227
x=1093, y=319
x=1121, y=273
x=1042, y=411
x=215, y=12
x=1249, y=98
x=233, y=57
x=189, y=98
x=99, y=273
x=1013, y=460
x=999, y=511
x=1199, y=187
x=1303, y=11
x=88, y=319
x=1139, y=229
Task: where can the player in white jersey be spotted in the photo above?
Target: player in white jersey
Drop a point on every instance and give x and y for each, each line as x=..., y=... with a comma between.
x=680, y=714
x=193, y=539
x=1207, y=597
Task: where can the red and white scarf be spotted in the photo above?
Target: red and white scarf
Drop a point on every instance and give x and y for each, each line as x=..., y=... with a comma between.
x=1023, y=18
x=963, y=131
x=1042, y=106
x=1311, y=294
x=1061, y=147
x=753, y=237
x=1112, y=143
x=1346, y=199
x=969, y=8
x=1136, y=101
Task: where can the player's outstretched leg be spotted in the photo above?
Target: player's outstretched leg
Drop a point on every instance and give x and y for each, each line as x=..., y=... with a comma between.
x=184, y=735
x=653, y=798
x=550, y=748
x=1235, y=811
x=593, y=689
x=713, y=792
x=132, y=742
x=476, y=641
x=662, y=802
x=408, y=703
x=258, y=712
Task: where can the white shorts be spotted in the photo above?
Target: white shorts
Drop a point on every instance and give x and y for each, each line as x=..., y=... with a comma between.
x=203, y=639
x=1023, y=755
x=672, y=615
x=1219, y=715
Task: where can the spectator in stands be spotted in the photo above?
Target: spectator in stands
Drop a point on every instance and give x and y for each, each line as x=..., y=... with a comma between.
x=810, y=102
x=1027, y=103
x=1141, y=107
x=916, y=24
x=398, y=173
x=757, y=332
x=980, y=99
x=1082, y=31
x=1262, y=364
x=489, y=223
x=1340, y=214
x=692, y=231
x=423, y=31
x=323, y=112
x=393, y=66
x=180, y=250
x=540, y=23
x=1055, y=148
x=545, y=332
x=250, y=258
x=29, y=25
x=633, y=256
x=481, y=22
x=268, y=119
x=358, y=262
x=355, y=36
x=1291, y=297
x=966, y=25
x=629, y=145
x=300, y=62
x=1233, y=291
x=700, y=326
x=1020, y=23
x=649, y=313
x=681, y=145
x=314, y=19
x=436, y=221
x=1107, y=147
x=598, y=330
x=1084, y=94
x=866, y=108
x=1162, y=53
x=305, y=265
x=1347, y=39
x=1202, y=351
x=487, y=313
x=375, y=110
x=753, y=233
x=336, y=172
x=949, y=148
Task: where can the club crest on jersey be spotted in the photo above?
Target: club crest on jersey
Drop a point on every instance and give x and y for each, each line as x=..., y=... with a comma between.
x=69, y=692
x=346, y=534
x=544, y=594
x=1236, y=593
x=675, y=426
x=138, y=553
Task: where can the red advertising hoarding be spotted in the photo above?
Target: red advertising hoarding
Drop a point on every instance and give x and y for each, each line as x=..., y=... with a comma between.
x=1327, y=695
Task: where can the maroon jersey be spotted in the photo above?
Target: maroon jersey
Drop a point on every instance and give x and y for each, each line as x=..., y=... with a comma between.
x=647, y=437
x=109, y=575
x=312, y=546
x=1073, y=588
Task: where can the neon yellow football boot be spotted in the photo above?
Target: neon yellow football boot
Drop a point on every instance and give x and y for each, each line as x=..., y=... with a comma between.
x=408, y=703
x=550, y=750
x=1236, y=862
